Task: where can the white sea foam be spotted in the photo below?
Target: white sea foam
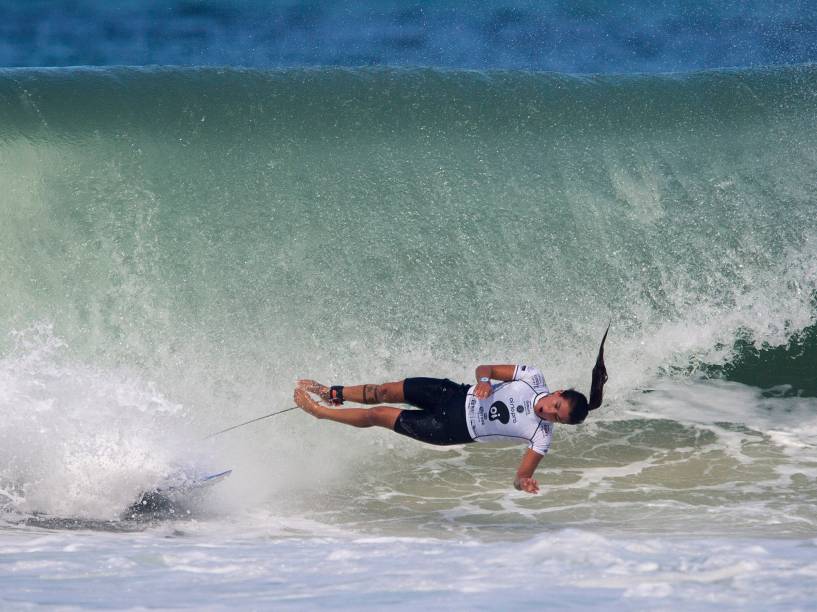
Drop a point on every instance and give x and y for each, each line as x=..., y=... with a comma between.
x=205, y=568
x=80, y=441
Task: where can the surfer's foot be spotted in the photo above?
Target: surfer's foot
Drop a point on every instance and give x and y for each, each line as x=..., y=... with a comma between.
x=313, y=386
x=307, y=404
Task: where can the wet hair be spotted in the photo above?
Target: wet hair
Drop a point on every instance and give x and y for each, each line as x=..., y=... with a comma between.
x=599, y=377
x=578, y=406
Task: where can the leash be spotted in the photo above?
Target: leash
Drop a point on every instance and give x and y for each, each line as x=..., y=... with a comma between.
x=261, y=418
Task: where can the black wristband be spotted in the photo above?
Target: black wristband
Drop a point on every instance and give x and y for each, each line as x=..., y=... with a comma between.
x=336, y=394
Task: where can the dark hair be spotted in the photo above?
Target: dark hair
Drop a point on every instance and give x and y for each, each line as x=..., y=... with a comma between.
x=599, y=376
x=578, y=406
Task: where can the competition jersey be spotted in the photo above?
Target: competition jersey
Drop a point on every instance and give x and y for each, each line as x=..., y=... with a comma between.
x=508, y=411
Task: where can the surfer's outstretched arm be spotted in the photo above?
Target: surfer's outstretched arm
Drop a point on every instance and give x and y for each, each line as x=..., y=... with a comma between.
x=524, y=480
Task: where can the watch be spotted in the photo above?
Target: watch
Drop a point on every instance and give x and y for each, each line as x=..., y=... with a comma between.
x=484, y=379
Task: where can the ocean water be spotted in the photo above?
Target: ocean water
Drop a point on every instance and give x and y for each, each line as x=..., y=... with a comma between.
x=559, y=35
x=179, y=245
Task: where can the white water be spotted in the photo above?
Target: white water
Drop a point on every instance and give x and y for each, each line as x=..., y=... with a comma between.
x=259, y=563
x=695, y=495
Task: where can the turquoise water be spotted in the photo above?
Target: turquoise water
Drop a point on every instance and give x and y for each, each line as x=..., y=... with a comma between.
x=178, y=246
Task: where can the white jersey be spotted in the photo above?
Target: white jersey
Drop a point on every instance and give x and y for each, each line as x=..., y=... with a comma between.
x=508, y=411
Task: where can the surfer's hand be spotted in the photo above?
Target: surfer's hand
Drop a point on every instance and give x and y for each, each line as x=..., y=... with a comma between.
x=306, y=403
x=483, y=390
x=313, y=386
x=301, y=398
x=529, y=485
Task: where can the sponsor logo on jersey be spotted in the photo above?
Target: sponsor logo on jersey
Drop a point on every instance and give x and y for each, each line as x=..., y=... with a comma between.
x=512, y=409
x=499, y=412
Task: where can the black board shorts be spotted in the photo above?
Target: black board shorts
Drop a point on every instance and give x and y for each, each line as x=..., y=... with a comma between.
x=441, y=420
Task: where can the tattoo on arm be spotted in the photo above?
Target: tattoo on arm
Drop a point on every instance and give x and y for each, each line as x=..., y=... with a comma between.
x=369, y=394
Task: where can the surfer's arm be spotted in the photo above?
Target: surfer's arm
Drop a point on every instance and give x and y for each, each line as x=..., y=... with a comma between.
x=492, y=372
x=496, y=372
x=524, y=480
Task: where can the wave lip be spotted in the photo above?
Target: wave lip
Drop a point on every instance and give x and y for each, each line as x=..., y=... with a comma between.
x=169, y=100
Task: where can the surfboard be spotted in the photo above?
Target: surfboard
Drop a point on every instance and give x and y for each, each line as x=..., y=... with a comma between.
x=186, y=483
x=174, y=495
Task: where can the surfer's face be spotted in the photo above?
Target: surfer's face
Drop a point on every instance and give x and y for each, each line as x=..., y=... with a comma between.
x=553, y=408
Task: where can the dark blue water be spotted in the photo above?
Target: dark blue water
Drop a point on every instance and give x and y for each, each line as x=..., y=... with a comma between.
x=560, y=35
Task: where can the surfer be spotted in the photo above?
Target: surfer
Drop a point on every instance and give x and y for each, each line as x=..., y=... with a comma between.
x=519, y=407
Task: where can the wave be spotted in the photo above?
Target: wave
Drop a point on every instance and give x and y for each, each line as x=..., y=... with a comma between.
x=218, y=233
x=401, y=208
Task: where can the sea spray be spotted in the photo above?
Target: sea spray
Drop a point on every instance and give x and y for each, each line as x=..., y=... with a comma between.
x=80, y=441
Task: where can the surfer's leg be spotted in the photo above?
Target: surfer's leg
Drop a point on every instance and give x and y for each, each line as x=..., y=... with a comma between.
x=378, y=416
x=386, y=393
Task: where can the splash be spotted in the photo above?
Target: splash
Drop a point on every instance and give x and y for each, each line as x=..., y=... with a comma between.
x=78, y=440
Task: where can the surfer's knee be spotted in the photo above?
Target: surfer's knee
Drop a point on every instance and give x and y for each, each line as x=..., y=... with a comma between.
x=383, y=416
x=376, y=415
